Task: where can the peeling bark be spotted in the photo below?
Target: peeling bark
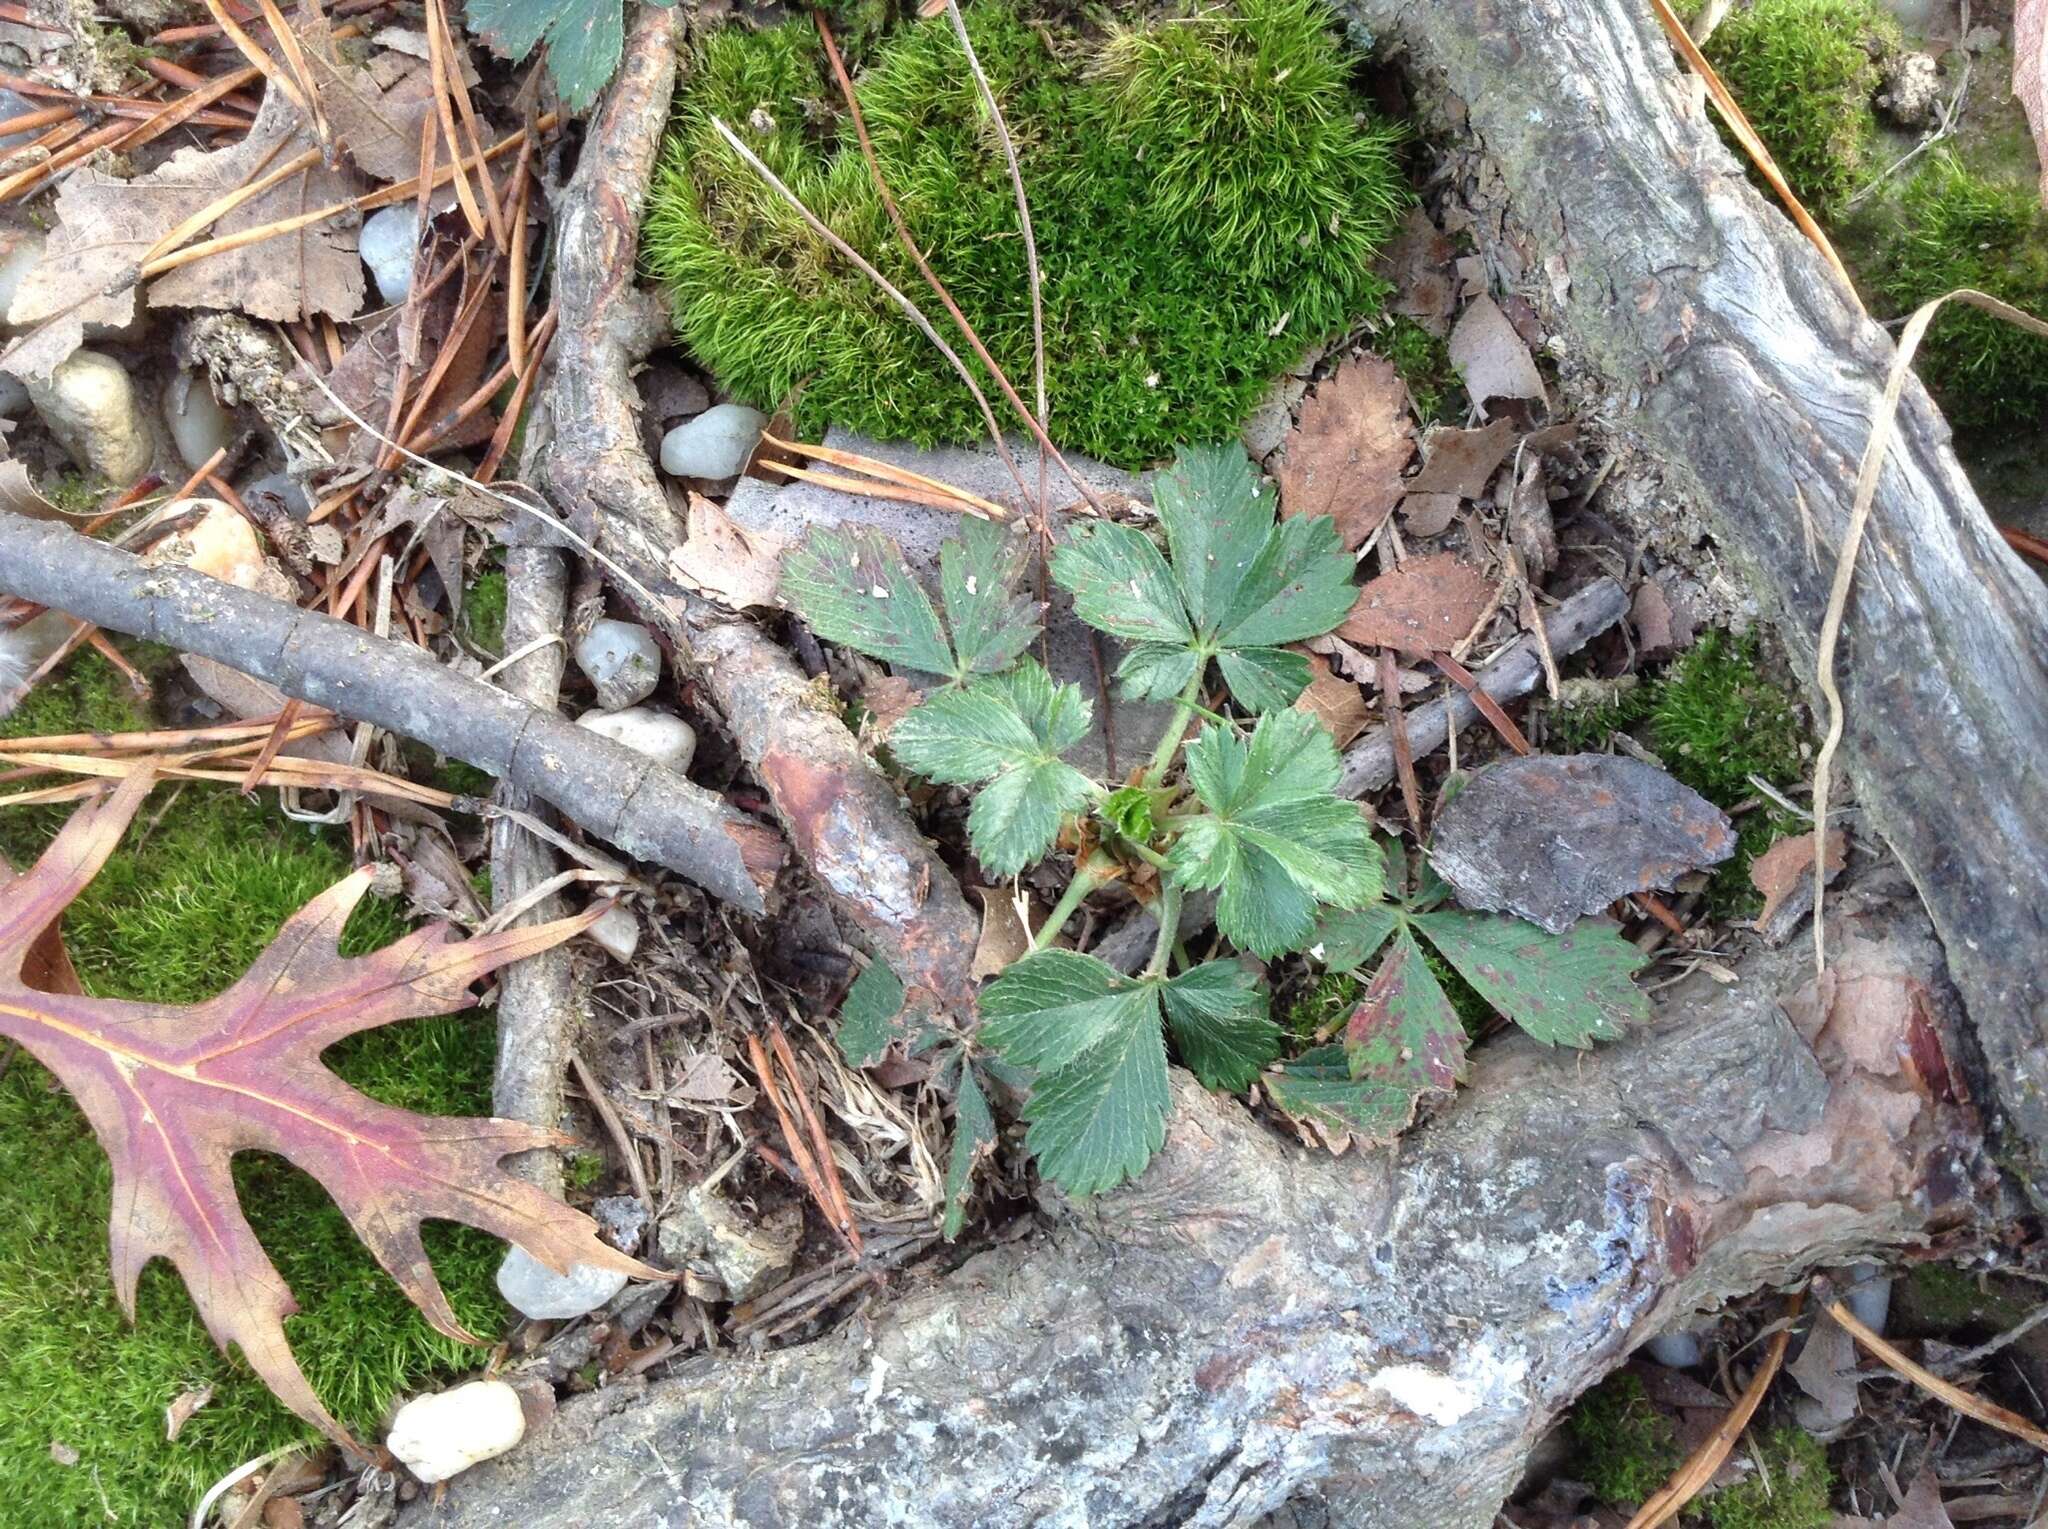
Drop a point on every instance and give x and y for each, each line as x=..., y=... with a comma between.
x=1390, y=1330
x=621, y=796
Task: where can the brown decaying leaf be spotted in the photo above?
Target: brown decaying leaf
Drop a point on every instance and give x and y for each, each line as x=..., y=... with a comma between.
x=1418, y=262
x=1492, y=358
x=375, y=109
x=1826, y=1372
x=721, y=559
x=1461, y=462
x=1426, y=605
x=2030, y=74
x=1778, y=871
x=1345, y=455
x=180, y=1411
x=1335, y=702
x=106, y=225
x=1429, y=514
x=1003, y=936
x=174, y=1091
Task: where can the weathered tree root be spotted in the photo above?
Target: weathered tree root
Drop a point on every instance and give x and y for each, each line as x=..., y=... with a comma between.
x=1390, y=1330
x=620, y=795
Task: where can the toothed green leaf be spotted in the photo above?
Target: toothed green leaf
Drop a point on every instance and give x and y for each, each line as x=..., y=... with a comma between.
x=1404, y=1032
x=1154, y=672
x=1567, y=989
x=1264, y=679
x=1121, y=585
x=1218, y=518
x=979, y=573
x=1347, y=939
x=584, y=39
x=1298, y=587
x=1318, y=1086
x=1275, y=839
x=1218, y=1015
x=854, y=588
x=974, y=1133
x=867, y=1019
x=1097, y=1110
x=1004, y=732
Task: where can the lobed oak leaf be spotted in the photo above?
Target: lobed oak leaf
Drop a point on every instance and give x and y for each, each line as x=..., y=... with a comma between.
x=175, y=1091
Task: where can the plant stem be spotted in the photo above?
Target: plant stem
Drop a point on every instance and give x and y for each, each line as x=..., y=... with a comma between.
x=1146, y=853
x=1183, y=710
x=1086, y=879
x=1169, y=929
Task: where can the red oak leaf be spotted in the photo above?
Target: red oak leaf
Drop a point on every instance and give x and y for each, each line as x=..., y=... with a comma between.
x=174, y=1091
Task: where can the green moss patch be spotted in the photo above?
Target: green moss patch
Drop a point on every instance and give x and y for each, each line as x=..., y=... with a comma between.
x=1207, y=192
x=1626, y=1448
x=201, y=883
x=1804, y=71
x=1789, y=1491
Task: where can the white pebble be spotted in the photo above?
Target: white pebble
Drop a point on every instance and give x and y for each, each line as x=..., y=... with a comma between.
x=716, y=444
x=89, y=405
x=442, y=1435
x=617, y=934
x=387, y=243
x=23, y=649
x=535, y=1291
x=666, y=740
x=1867, y=1292
x=622, y=660
x=1676, y=1351
x=23, y=251
x=199, y=426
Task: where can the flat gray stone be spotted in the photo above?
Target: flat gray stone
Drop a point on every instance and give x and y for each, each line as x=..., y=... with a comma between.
x=791, y=510
x=535, y=1291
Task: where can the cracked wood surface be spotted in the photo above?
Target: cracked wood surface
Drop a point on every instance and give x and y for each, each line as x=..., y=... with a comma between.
x=616, y=793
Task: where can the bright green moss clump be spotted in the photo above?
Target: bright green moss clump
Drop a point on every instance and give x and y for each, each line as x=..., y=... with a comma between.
x=1956, y=229
x=1207, y=191
x=1804, y=72
x=1790, y=1492
x=201, y=883
x=1627, y=1449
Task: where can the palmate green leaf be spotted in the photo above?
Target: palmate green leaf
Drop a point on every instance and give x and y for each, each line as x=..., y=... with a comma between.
x=1347, y=939
x=1318, y=1086
x=1219, y=1015
x=1567, y=989
x=867, y=1019
x=1005, y=733
x=1239, y=586
x=1404, y=1033
x=1275, y=839
x=854, y=587
x=1097, y=1111
x=584, y=39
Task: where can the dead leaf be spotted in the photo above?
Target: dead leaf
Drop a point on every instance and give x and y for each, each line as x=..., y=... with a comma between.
x=1826, y=1372
x=1779, y=870
x=105, y=226
x=1429, y=514
x=374, y=110
x=2030, y=74
x=1461, y=462
x=889, y=699
x=721, y=559
x=1427, y=605
x=1922, y=1508
x=63, y=1453
x=1003, y=936
x=174, y=1091
x=707, y=1079
x=1650, y=612
x=1344, y=457
x=180, y=1411
x=1335, y=702
x=1418, y=264
x=1491, y=357
x=415, y=518
x=1530, y=528
x=1553, y=837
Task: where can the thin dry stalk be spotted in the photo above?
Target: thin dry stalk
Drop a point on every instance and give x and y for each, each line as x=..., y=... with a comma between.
x=1966, y=1402
x=302, y=72
x=80, y=631
x=508, y=422
x=1397, y=730
x=808, y=1172
x=888, y=472
x=313, y=720
x=821, y=1144
x=1489, y=708
x=437, y=64
x=1715, y=1448
x=1881, y=425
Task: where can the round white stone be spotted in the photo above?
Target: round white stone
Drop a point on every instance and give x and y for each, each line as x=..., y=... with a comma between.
x=716, y=444
x=535, y=1291
x=387, y=243
x=622, y=660
x=199, y=426
x=616, y=933
x=442, y=1435
x=89, y=405
x=23, y=251
x=667, y=740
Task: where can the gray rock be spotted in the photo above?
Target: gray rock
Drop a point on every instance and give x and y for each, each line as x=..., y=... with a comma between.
x=724, y=1253
x=616, y=933
x=622, y=1220
x=24, y=248
x=791, y=510
x=285, y=489
x=667, y=740
x=534, y=1290
x=622, y=660
x=199, y=426
x=13, y=396
x=1676, y=1351
x=1912, y=89
x=90, y=406
x=1867, y=1292
x=715, y=444
x=389, y=239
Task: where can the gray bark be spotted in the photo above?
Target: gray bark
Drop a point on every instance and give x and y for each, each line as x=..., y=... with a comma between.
x=615, y=793
x=1391, y=1330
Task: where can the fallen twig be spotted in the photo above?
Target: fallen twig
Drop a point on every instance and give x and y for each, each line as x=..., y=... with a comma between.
x=1966, y=1402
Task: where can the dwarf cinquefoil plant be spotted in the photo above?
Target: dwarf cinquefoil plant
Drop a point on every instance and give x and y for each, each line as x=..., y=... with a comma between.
x=1247, y=807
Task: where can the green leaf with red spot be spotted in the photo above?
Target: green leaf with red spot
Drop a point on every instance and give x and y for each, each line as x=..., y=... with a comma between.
x=1567, y=989
x=1404, y=1034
